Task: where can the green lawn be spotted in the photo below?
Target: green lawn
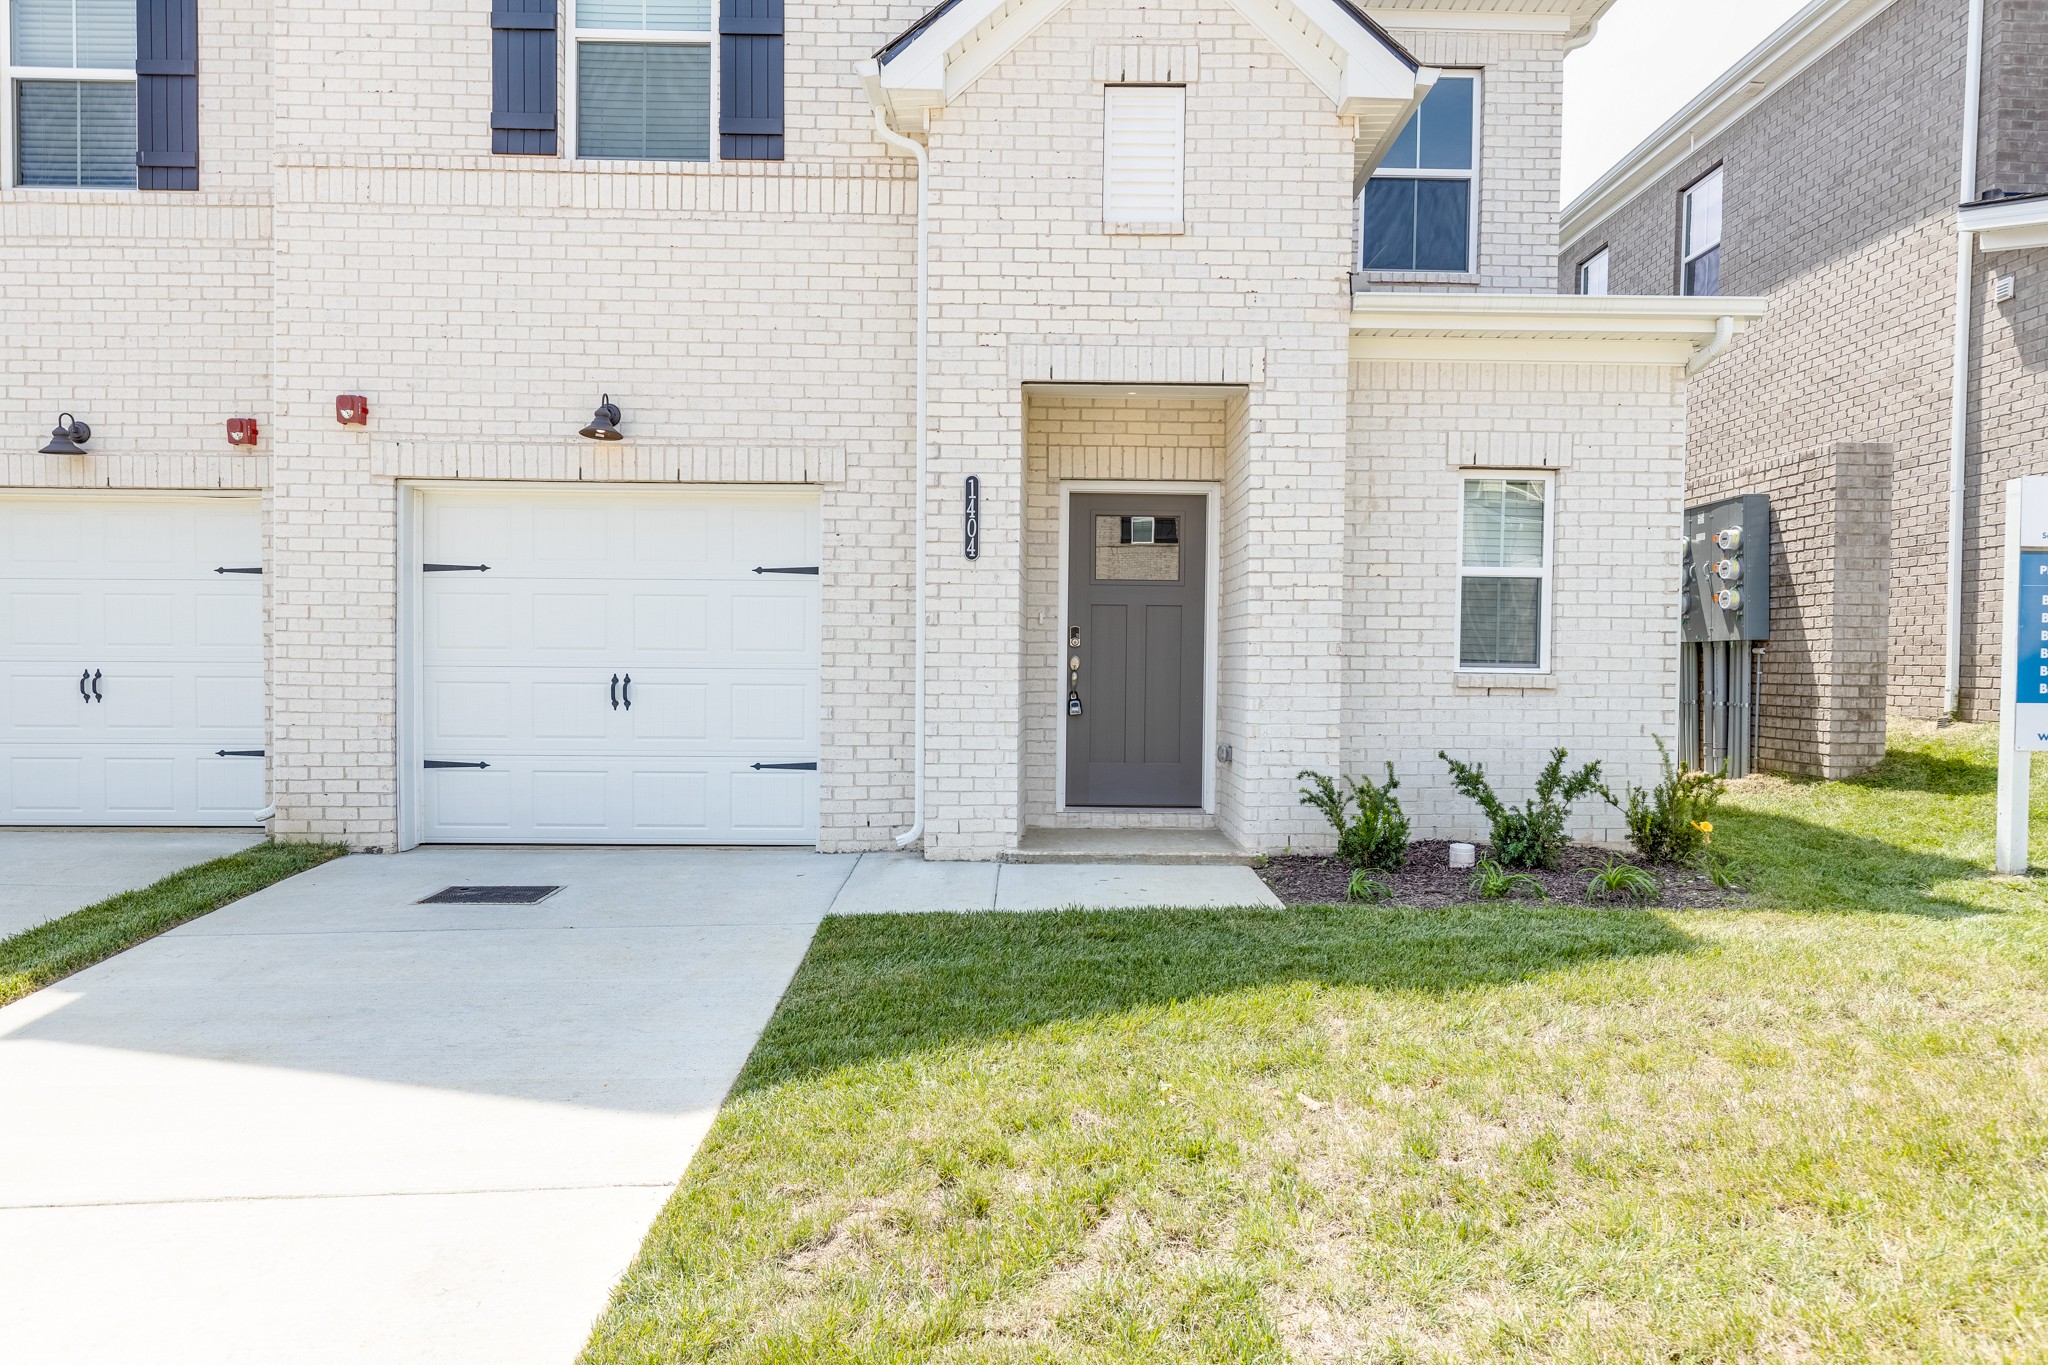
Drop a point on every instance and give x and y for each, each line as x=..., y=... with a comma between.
x=1814, y=1130
x=50, y=952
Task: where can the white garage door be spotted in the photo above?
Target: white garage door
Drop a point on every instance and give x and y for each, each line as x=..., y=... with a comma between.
x=634, y=667
x=133, y=668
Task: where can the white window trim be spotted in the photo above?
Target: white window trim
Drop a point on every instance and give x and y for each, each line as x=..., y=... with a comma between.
x=1605, y=255
x=1686, y=254
x=10, y=152
x=1478, y=79
x=571, y=102
x=1549, y=599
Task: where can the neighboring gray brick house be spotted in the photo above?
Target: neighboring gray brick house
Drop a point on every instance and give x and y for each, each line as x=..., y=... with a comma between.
x=1838, y=148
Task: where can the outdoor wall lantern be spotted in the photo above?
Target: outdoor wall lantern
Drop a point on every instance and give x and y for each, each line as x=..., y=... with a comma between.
x=68, y=437
x=604, y=423
x=241, y=431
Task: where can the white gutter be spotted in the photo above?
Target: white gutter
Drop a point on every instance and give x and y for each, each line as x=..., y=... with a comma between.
x=1724, y=337
x=1959, y=399
x=916, y=149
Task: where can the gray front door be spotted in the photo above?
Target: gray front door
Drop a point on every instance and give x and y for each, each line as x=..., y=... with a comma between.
x=1137, y=569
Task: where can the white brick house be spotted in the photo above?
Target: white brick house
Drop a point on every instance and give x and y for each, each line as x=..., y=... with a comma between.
x=1106, y=259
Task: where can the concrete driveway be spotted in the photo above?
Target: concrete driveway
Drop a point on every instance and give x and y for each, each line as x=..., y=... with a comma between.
x=45, y=873
x=327, y=1124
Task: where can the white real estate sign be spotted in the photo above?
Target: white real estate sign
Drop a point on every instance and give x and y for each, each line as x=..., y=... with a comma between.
x=2023, y=716
x=131, y=658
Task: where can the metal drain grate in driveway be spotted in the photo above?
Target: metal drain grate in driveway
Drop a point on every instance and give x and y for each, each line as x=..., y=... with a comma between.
x=490, y=895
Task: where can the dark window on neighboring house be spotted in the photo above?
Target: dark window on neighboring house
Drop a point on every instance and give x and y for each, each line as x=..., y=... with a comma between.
x=1700, y=256
x=1418, y=209
x=1593, y=272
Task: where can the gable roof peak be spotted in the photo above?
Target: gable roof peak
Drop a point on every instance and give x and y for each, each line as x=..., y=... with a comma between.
x=1369, y=77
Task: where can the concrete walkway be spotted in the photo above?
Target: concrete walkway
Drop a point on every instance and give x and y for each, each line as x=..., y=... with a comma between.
x=329, y=1124
x=47, y=873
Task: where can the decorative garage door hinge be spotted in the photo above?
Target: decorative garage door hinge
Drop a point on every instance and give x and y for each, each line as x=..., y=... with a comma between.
x=455, y=568
x=812, y=570
x=785, y=767
x=437, y=763
x=238, y=753
x=238, y=571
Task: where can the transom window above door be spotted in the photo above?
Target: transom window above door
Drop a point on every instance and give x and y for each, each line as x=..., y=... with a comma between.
x=1419, y=211
x=643, y=80
x=71, y=82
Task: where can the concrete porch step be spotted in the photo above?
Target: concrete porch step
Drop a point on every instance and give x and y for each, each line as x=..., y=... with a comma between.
x=1196, y=847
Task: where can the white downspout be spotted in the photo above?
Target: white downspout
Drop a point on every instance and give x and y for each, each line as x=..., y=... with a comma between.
x=901, y=143
x=1724, y=337
x=1959, y=399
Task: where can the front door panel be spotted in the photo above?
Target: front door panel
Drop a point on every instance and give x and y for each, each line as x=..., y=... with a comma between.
x=1137, y=568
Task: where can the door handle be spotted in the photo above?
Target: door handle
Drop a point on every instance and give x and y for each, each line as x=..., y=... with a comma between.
x=96, y=686
x=1074, y=671
x=83, y=695
x=615, y=691
x=629, y=691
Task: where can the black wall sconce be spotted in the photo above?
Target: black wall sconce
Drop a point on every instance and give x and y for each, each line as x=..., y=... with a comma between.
x=604, y=423
x=68, y=437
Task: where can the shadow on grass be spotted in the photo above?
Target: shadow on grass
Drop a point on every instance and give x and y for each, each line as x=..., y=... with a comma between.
x=1795, y=864
x=879, y=986
x=1917, y=770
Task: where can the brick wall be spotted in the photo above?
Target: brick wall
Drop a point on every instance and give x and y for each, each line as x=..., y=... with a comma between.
x=1614, y=436
x=1840, y=210
x=2014, y=150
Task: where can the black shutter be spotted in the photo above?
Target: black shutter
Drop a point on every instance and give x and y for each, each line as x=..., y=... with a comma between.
x=750, y=84
x=523, y=95
x=167, y=94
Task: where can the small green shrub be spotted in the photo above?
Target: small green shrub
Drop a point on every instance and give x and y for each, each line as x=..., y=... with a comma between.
x=1376, y=838
x=1671, y=822
x=1621, y=881
x=1364, y=888
x=1493, y=882
x=1529, y=836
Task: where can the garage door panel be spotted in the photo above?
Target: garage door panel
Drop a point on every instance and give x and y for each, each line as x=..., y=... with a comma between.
x=123, y=590
x=227, y=787
x=43, y=703
x=650, y=584
x=45, y=788
x=44, y=620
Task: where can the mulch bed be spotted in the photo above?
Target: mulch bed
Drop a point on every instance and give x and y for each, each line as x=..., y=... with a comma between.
x=1429, y=882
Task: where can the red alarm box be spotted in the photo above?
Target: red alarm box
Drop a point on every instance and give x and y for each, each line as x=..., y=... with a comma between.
x=241, y=431
x=351, y=409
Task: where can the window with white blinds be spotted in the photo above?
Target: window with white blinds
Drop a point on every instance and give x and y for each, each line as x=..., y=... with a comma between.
x=643, y=80
x=1144, y=154
x=71, y=81
x=1504, y=574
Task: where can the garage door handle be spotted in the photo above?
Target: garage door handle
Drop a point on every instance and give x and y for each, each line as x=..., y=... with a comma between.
x=615, y=691
x=437, y=763
x=96, y=686
x=629, y=691
x=785, y=767
x=83, y=679
x=811, y=570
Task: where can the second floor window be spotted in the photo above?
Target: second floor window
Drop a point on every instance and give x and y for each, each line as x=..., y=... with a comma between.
x=1593, y=273
x=71, y=80
x=1420, y=208
x=643, y=80
x=1700, y=272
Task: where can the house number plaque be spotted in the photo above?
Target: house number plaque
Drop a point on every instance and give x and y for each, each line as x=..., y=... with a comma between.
x=973, y=517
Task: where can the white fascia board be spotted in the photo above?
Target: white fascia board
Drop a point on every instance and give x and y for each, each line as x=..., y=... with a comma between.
x=2015, y=225
x=1613, y=328
x=1803, y=40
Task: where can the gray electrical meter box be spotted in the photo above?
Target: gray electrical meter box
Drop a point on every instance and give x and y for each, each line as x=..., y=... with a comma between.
x=1727, y=582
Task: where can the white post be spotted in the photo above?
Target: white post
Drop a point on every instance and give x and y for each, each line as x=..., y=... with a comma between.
x=2023, y=690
